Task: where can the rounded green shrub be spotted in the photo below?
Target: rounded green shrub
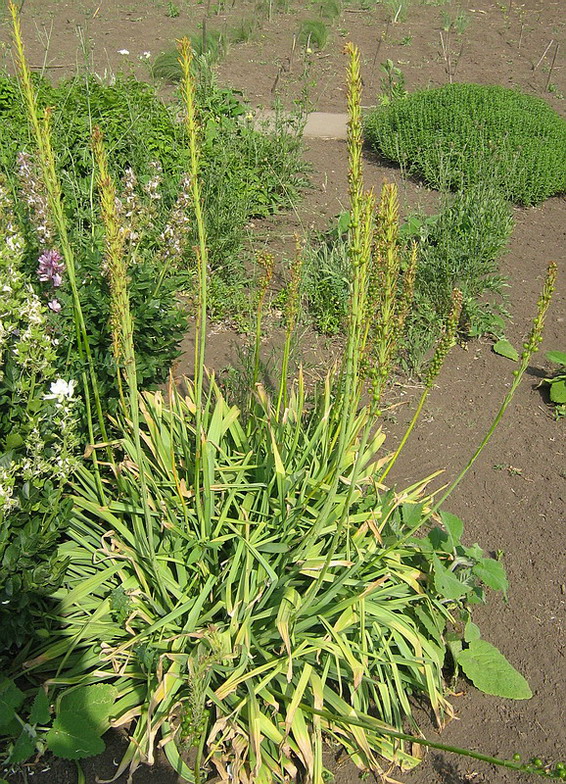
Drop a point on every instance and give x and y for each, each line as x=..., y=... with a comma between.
x=460, y=134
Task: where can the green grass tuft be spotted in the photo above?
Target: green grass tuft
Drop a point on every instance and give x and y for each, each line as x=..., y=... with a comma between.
x=313, y=34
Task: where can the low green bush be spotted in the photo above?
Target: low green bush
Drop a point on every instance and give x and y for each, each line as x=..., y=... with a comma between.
x=460, y=247
x=460, y=134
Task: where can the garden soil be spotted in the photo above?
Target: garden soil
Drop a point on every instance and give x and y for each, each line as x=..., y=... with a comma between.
x=513, y=500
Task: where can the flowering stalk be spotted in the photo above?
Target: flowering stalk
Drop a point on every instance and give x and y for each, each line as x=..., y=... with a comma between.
x=188, y=92
x=41, y=130
x=444, y=345
x=266, y=262
x=121, y=322
x=530, y=347
x=292, y=307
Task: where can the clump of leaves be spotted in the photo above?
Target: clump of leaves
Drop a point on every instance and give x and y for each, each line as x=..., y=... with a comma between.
x=457, y=135
x=209, y=46
x=557, y=382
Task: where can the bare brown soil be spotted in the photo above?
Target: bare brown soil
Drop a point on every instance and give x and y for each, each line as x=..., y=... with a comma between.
x=514, y=498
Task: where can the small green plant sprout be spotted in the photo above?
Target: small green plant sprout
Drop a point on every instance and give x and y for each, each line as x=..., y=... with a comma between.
x=313, y=34
x=397, y=9
x=327, y=9
x=392, y=84
x=457, y=24
x=172, y=10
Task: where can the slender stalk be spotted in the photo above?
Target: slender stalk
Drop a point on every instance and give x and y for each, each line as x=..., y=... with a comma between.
x=385, y=730
x=530, y=346
x=121, y=323
x=188, y=92
x=267, y=264
x=444, y=345
x=41, y=130
x=292, y=308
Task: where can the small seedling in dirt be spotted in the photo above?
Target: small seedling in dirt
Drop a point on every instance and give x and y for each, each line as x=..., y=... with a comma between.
x=392, y=84
x=397, y=9
x=172, y=10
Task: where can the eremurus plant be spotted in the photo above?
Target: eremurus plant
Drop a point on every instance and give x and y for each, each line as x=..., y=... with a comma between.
x=242, y=589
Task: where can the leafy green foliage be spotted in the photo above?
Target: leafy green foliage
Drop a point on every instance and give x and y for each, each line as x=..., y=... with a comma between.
x=242, y=576
x=38, y=447
x=461, y=134
x=504, y=348
x=326, y=281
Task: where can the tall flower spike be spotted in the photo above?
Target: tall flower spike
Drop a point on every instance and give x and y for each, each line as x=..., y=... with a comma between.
x=534, y=338
x=447, y=340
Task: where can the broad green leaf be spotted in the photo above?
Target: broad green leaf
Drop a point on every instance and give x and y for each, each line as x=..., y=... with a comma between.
x=74, y=738
x=558, y=391
x=491, y=673
x=83, y=716
x=454, y=526
x=471, y=632
x=559, y=357
x=492, y=573
x=10, y=700
x=505, y=349
x=40, y=709
x=24, y=747
x=446, y=583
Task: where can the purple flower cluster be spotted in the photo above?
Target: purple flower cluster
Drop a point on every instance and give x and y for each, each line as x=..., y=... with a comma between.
x=50, y=268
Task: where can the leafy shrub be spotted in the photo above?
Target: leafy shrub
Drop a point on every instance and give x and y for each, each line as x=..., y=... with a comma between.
x=326, y=279
x=457, y=135
x=246, y=173
x=460, y=247
x=38, y=444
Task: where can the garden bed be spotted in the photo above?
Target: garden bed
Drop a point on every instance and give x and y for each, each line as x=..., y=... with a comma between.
x=514, y=498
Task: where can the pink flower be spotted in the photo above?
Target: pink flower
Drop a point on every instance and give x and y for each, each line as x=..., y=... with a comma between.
x=54, y=305
x=50, y=268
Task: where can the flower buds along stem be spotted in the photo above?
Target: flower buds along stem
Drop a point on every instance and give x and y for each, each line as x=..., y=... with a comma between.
x=447, y=340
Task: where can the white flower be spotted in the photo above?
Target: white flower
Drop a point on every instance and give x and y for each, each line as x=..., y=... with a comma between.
x=145, y=56
x=61, y=390
x=123, y=51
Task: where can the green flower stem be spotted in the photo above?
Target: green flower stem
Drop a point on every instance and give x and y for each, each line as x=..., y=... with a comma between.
x=383, y=729
x=188, y=90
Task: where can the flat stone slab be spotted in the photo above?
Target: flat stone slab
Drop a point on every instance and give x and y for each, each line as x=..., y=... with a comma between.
x=319, y=125
x=326, y=125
